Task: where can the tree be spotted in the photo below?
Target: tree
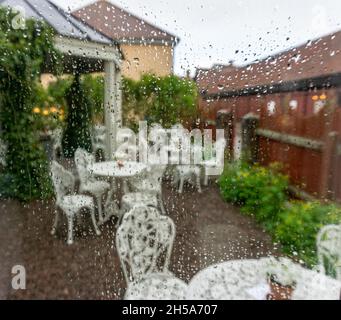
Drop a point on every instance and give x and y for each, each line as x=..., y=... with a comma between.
x=22, y=56
x=165, y=100
x=77, y=132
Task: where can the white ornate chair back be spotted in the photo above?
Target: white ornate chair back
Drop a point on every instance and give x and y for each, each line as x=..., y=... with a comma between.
x=127, y=147
x=83, y=160
x=144, y=242
x=63, y=181
x=98, y=135
x=329, y=248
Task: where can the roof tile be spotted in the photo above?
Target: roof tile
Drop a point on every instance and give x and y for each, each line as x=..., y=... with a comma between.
x=118, y=24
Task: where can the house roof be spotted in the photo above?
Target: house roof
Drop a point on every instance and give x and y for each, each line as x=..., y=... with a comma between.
x=315, y=59
x=118, y=24
x=62, y=22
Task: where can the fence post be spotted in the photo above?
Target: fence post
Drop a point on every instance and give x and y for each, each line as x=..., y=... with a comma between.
x=250, y=123
x=328, y=160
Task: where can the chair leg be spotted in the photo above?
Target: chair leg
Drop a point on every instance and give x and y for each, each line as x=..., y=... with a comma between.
x=55, y=223
x=119, y=220
x=198, y=183
x=125, y=187
x=206, y=181
x=93, y=218
x=79, y=219
x=70, y=229
x=125, y=207
x=175, y=177
x=162, y=207
x=100, y=210
x=182, y=180
x=123, y=210
x=205, y=178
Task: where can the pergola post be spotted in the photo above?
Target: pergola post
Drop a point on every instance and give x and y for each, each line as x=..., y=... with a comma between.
x=112, y=58
x=112, y=106
x=118, y=88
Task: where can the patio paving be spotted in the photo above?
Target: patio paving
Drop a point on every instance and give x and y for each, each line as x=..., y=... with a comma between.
x=208, y=231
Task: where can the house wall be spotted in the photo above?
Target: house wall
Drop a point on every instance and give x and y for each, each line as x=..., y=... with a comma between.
x=140, y=59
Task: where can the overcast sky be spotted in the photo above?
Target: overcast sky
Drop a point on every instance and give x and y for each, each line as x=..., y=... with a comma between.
x=217, y=31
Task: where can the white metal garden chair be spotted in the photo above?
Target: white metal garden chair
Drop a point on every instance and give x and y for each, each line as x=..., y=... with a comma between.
x=192, y=172
x=130, y=153
x=127, y=149
x=217, y=160
x=57, y=136
x=308, y=284
x=88, y=183
x=180, y=140
x=146, y=189
x=70, y=203
x=188, y=173
x=144, y=243
x=329, y=249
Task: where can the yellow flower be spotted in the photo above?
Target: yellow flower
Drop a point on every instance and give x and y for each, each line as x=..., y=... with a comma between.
x=53, y=110
x=307, y=206
x=244, y=174
x=36, y=110
x=46, y=112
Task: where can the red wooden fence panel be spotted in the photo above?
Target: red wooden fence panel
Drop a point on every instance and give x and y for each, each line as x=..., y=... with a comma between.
x=316, y=171
x=303, y=165
x=336, y=169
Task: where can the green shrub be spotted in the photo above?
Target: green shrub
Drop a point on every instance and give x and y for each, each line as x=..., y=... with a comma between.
x=259, y=191
x=172, y=100
x=57, y=90
x=299, y=224
x=94, y=88
x=23, y=53
x=165, y=100
x=262, y=193
x=48, y=115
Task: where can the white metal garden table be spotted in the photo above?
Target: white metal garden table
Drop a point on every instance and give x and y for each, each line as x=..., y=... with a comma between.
x=232, y=280
x=112, y=170
x=247, y=280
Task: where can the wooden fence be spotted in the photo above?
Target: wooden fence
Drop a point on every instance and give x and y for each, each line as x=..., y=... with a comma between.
x=309, y=147
x=297, y=133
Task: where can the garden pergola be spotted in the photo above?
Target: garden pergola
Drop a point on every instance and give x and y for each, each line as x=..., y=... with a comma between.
x=83, y=50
